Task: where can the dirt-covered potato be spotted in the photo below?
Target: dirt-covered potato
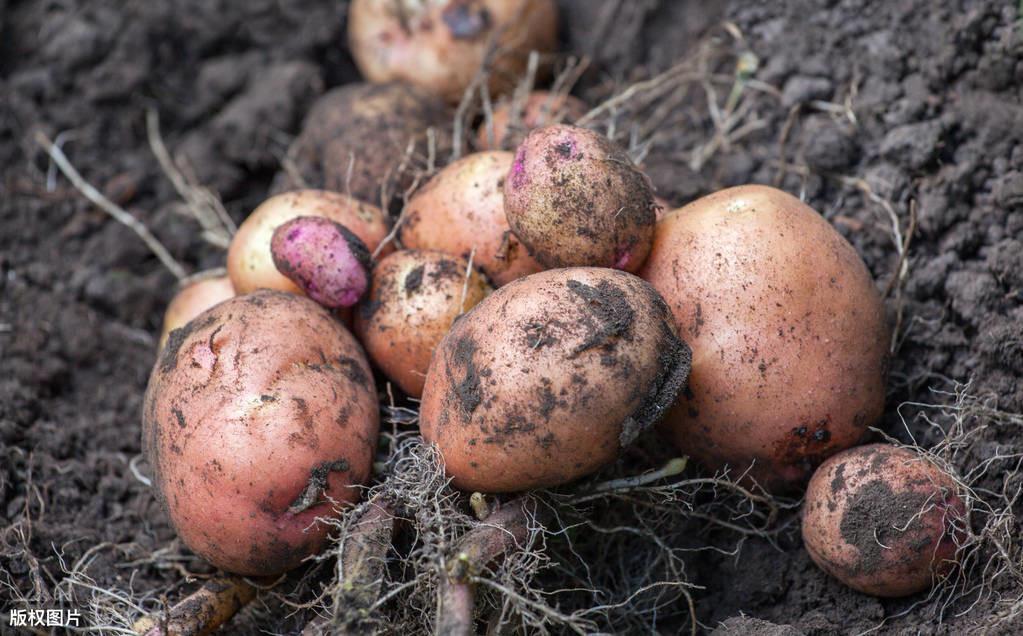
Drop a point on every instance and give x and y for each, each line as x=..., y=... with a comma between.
x=250, y=262
x=462, y=208
x=512, y=120
x=550, y=377
x=883, y=520
x=575, y=198
x=355, y=139
x=441, y=45
x=325, y=259
x=257, y=412
x=415, y=297
x=787, y=329
x=193, y=299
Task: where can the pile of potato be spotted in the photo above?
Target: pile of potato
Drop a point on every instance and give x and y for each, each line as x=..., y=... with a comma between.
x=540, y=312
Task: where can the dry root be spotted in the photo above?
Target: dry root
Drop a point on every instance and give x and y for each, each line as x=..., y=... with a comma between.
x=201, y=612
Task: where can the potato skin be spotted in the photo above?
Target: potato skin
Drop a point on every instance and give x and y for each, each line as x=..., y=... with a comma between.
x=549, y=377
x=324, y=258
x=574, y=198
x=250, y=263
x=787, y=328
x=541, y=108
x=414, y=298
x=440, y=45
x=369, y=127
x=462, y=207
x=192, y=300
x=880, y=495
x=245, y=406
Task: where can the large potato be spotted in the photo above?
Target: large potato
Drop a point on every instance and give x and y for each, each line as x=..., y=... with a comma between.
x=575, y=198
x=883, y=520
x=787, y=329
x=462, y=208
x=441, y=45
x=257, y=412
x=355, y=139
x=414, y=298
x=548, y=378
x=250, y=262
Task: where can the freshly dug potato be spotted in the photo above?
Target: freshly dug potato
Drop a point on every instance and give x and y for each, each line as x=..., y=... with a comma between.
x=883, y=520
x=355, y=138
x=550, y=377
x=249, y=260
x=440, y=45
x=416, y=295
x=787, y=329
x=192, y=300
x=462, y=208
x=328, y=262
x=256, y=412
x=575, y=198
x=511, y=121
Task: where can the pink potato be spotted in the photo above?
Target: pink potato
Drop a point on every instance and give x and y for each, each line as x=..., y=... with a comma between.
x=324, y=258
x=574, y=198
x=260, y=416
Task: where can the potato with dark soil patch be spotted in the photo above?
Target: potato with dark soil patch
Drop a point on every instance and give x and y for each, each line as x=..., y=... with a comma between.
x=414, y=298
x=790, y=343
x=258, y=413
x=355, y=139
x=574, y=198
x=550, y=377
x=461, y=211
x=883, y=520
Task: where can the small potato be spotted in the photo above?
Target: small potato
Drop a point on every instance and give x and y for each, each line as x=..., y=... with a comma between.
x=787, y=328
x=324, y=258
x=575, y=198
x=462, y=208
x=440, y=45
x=257, y=412
x=512, y=121
x=415, y=297
x=550, y=377
x=883, y=520
x=192, y=300
x=355, y=138
x=249, y=260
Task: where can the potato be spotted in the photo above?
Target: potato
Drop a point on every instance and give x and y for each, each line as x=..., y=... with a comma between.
x=574, y=198
x=462, y=207
x=415, y=297
x=787, y=328
x=441, y=45
x=355, y=138
x=193, y=299
x=883, y=520
x=324, y=258
x=550, y=377
x=511, y=120
x=256, y=412
x=249, y=260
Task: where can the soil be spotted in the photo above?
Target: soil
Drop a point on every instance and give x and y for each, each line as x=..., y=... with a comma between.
x=936, y=89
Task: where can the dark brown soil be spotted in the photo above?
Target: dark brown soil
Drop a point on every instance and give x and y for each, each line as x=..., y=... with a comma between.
x=936, y=88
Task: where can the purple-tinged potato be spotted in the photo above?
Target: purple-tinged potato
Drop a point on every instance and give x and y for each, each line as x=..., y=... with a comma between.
x=415, y=297
x=574, y=198
x=324, y=258
x=260, y=416
x=550, y=377
x=883, y=520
